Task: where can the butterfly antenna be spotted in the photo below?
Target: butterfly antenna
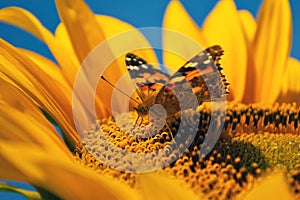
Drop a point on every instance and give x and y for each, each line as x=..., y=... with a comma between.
x=102, y=77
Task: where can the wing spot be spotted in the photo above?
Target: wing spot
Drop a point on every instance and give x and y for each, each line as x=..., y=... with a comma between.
x=206, y=62
x=191, y=64
x=130, y=67
x=144, y=66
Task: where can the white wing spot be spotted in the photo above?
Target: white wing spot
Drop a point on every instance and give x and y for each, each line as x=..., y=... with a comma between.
x=191, y=64
x=144, y=66
x=206, y=62
x=135, y=68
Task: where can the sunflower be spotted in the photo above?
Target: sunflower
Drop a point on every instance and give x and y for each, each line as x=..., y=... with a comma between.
x=33, y=87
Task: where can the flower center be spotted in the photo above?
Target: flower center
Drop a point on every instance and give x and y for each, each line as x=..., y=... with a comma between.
x=255, y=139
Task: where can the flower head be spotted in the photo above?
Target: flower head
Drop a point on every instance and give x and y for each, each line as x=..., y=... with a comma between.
x=256, y=52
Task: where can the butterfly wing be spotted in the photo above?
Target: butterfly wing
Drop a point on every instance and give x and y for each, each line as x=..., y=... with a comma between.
x=147, y=79
x=142, y=73
x=202, y=75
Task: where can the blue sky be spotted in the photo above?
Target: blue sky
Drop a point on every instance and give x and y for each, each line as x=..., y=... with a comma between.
x=136, y=12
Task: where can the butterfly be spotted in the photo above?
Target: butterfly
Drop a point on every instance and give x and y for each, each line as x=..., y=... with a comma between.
x=202, y=75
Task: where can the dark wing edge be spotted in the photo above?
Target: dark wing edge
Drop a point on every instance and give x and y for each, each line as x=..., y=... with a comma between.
x=216, y=53
x=142, y=73
x=203, y=71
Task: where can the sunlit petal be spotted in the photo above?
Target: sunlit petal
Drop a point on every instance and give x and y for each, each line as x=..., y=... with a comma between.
x=273, y=187
x=49, y=67
x=249, y=29
x=177, y=18
x=39, y=155
x=54, y=173
x=25, y=20
x=48, y=94
x=14, y=107
x=291, y=83
x=248, y=24
x=271, y=48
x=291, y=79
x=112, y=28
x=81, y=25
x=223, y=27
x=164, y=187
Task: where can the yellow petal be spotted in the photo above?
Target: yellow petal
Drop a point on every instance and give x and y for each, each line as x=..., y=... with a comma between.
x=271, y=48
x=291, y=82
x=155, y=186
x=63, y=177
x=25, y=20
x=19, y=115
x=249, y=29
x=223, y=27
x=116, y=32
x=48, y=94
x=290, y=90
x=49, y=67
x=85, y=32
x=274, y=187
x=248, y=24
x=112, y=27
x=81, y=25
x=120, y=37
x=22, y=123
x=177, y=19
x=9, y=171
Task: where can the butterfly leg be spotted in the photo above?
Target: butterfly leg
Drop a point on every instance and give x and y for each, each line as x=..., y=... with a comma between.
x=170, y=130
x=135, y=123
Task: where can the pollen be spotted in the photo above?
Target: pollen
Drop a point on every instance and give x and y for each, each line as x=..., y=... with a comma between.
x=256, y=139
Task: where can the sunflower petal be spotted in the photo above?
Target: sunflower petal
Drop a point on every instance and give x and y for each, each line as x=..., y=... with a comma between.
x=40, y=157
x=291, y=84
x=272, y=46
x=49, y=67
x=111, y=28
x=25, y=20
x=17, y=112
x=248, y=24
x=177, y=19
x=48, y=94
x=249, y=29
x=19, y=115
x=155, y=186
x=62, y=177
x=81, y=25
x=223, y=27
x=291, y=79
x=274, y=187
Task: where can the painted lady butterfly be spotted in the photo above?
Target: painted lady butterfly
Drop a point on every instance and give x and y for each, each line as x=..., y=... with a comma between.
x=202, y=74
